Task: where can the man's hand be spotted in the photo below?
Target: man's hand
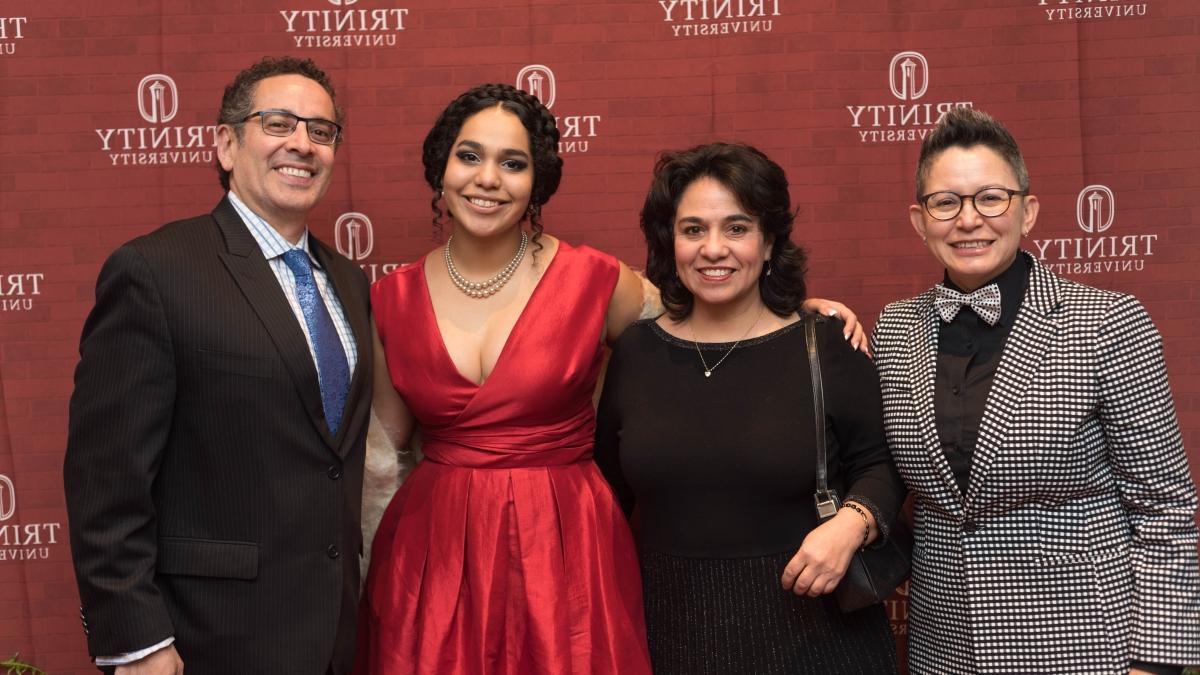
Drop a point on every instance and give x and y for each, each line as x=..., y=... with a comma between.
x=165, y=661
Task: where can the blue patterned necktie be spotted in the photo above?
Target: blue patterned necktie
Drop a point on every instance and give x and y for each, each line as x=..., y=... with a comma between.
x=332, y=369
x=984, y=301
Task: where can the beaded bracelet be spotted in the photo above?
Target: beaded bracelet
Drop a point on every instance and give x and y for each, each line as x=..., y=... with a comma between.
x=866, y=523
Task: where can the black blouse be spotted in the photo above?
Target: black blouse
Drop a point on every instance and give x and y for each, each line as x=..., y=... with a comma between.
x=723, y=466
x=968, y=355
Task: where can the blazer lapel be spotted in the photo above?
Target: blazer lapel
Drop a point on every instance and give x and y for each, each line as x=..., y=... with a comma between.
x=360, y=325
x=1032, y=335
x=258, y=284
x=922, y=371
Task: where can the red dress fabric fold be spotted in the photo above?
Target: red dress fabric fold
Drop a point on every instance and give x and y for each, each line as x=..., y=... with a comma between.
x=504, y=551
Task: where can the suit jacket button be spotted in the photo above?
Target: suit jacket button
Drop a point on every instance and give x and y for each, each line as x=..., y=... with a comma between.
x=970, y=527
x=334, y=473
x=332, y=552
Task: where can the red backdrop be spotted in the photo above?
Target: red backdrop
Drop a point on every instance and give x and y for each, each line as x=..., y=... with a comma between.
x=106, y=114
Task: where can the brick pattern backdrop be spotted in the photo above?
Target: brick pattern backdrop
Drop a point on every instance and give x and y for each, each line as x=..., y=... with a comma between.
x=1101, y=93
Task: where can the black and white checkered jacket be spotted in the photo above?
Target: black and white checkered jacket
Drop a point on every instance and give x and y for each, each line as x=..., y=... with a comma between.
x=1074, y=550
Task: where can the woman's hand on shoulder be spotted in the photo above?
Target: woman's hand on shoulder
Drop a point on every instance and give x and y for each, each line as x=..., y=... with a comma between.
x=627, y=303
x=824, y=555
x=853, y=330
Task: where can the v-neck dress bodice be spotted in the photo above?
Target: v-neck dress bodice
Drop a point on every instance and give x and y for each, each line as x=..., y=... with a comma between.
x=504, y=551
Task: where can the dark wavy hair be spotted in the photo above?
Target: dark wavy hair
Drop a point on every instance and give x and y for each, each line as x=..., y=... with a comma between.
x=238, y=101
x=760, y=186
x=964, y=128
x=539, y=123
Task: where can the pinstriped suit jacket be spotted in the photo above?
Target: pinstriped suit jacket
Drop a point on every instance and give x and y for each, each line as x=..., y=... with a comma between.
x=207, y=498
x=1074, y=549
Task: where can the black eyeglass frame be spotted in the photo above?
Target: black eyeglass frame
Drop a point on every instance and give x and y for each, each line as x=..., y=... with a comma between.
x=962, y=199
x=296, y=120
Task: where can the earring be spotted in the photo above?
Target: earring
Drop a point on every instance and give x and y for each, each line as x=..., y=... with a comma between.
x=767, y=267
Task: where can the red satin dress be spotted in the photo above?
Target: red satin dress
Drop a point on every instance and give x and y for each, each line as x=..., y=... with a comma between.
x=504, y=551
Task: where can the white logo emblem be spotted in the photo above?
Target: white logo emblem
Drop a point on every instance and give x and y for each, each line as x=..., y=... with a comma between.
x=342, y=2
x=353, y=235
x=538, y=80
x=1095, y=207
x=905, y=72
x=158, y=99
x=8, y=498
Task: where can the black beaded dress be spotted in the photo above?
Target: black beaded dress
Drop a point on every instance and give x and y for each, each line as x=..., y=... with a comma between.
x=718, y=475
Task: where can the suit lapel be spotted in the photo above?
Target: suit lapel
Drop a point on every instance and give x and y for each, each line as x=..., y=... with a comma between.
x=360, y=325
x=258, y=284
x=922, y=371
x=1032, y=335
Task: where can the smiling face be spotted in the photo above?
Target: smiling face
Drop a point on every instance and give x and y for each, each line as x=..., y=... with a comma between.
x=973, y=248
x=719, y=247
x=281, y=178
x=489, y=174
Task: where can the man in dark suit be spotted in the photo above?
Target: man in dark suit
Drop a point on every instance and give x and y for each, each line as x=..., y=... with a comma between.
x=214, y=463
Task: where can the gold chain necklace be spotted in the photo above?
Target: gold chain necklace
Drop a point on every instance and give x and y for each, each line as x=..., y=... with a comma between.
x=707, y=370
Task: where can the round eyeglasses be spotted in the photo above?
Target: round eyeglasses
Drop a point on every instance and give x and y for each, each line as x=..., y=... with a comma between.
x=988, y=202
x=283, y=123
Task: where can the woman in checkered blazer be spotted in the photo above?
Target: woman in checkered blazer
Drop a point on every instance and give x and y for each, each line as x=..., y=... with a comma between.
x=1031, y=417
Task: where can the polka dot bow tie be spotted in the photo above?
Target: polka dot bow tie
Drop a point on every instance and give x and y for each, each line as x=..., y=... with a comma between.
x=985, y=301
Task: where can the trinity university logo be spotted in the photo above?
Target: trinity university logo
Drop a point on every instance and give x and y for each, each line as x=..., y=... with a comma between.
x=158, y=99
x=1090, y=10
x=353, y=235
x=538, y=80
x=574, y=131
x=699, y=18
x=1094, y=208
x=17, y=292
x=909, y=73
x=345, y=26
x=8, y=498
x=1095, y=212
x=11, y=30
x=354, y=238
x=158, y=143
x=910, y=119
x=22, y=541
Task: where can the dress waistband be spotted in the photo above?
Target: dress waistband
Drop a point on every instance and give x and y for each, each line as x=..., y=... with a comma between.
x=456, y=454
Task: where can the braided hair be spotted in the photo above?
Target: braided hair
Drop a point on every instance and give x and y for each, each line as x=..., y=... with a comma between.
x=539, y=123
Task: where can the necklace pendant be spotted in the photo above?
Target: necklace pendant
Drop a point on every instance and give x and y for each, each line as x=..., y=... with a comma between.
x=708, y=373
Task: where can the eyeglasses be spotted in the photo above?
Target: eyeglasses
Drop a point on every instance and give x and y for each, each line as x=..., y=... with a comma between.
x=988, y=202
x=283, y=123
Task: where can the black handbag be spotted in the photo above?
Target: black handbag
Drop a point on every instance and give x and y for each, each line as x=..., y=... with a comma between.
x=873, y=572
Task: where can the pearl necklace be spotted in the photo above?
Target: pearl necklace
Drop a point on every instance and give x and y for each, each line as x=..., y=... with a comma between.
x=709, y=371
x=485, y=289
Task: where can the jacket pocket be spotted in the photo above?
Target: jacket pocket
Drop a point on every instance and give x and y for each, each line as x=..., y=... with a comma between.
x=207, y=558
x=238, y=364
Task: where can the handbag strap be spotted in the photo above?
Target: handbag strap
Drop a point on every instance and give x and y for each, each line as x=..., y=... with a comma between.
x=826, y=500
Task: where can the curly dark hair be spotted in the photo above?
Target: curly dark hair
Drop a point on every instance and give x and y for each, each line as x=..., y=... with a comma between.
x=238, y=101
x=539, y=123
x=760, y=186
x=964, y=128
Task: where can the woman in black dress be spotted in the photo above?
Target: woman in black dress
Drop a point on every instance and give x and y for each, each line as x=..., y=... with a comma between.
x=706, y=434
